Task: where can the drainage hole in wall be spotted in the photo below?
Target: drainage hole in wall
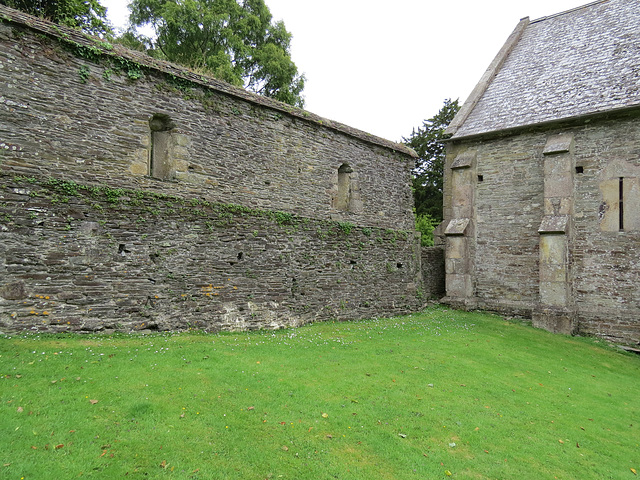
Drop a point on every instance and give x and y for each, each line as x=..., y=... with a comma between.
x=399, y=265
x=240, y=255
x=122, y=250
x=579, y=169
x=480, y=178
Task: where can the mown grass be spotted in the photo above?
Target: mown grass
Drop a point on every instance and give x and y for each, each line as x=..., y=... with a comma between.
x=440, y=394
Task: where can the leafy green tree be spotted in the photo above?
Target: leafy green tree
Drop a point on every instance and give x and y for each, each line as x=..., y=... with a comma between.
x=425, y=224
x=87, y=15
x=429, y=166
x=234, y=40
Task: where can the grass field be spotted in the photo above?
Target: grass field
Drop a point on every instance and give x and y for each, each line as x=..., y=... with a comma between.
x=440, y=394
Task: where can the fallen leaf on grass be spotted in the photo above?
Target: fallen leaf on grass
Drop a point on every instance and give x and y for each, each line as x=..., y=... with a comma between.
x=285, y=448
x=325, y=415
x=59, y=446
x=251, y=408
x=93, y=402
x=402, y=435
x=447, y=473
x=163, y=464
x=560, y=441
x=633, y=470
x=20, y=409
x=33, y=447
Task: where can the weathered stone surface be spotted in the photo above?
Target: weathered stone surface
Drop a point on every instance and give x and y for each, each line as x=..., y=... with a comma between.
x=433, y=271
x=170, y=263
x=13, y=291
x=599, y=262
x=138, y=196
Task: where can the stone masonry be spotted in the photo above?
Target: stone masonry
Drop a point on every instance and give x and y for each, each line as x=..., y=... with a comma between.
x=137, y=195
x=542, y=179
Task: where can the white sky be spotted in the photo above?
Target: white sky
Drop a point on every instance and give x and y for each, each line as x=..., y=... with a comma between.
x=384, y=66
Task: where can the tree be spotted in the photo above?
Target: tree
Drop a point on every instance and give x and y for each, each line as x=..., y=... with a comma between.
x=429, y=166
x=87, y=15
x=234, y=40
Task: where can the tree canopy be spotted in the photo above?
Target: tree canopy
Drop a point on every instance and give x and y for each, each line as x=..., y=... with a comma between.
x=429, y=167
x=234, y=40
x=87, y=15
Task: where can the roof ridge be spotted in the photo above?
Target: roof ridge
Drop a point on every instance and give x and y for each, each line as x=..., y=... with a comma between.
x=571, y=10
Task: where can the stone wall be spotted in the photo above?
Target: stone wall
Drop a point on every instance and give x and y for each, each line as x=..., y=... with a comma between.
x=73, y=118
x=544, y=234
x=433, y=277
x=91, y=258
x=136, y=195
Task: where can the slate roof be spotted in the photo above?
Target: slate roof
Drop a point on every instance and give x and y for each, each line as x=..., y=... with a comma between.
x=75, y=36
x=580, y=62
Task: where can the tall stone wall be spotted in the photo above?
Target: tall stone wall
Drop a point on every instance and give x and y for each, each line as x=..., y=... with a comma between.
x=135, y=195
x=73, y=118
x=545, y=234
x=76, y=258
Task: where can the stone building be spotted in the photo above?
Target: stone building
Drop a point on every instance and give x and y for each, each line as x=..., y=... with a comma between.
x=542, y=180
x=137, y=195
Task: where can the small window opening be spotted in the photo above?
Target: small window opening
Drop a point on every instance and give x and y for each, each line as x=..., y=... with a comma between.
x=480, y=178
x=159, y=157
x=621, y=203
x=579, y=169
x=344, y=187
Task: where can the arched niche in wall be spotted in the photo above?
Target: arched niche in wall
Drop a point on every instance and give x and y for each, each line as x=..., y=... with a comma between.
x=160, y=161
x=347, y=191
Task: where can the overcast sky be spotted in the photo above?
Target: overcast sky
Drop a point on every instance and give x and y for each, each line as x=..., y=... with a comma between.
x=384, y=66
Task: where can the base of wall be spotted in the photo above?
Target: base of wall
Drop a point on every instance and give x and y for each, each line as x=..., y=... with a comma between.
x=81, y=258
x=462, y=303
x=555, y=320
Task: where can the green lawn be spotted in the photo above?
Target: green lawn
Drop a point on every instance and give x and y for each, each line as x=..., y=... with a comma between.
x=440, y=394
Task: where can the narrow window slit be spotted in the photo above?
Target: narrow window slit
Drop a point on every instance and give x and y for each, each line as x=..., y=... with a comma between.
x=621, y=204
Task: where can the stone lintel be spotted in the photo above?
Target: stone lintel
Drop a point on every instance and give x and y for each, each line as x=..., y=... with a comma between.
x=554, y=224
x=561, y=143
x=464, y=160
x=456, y=226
